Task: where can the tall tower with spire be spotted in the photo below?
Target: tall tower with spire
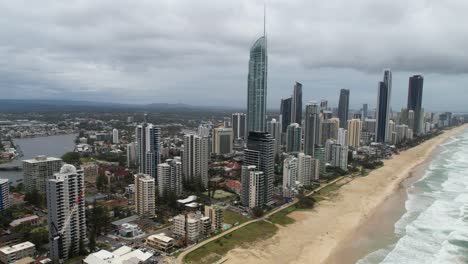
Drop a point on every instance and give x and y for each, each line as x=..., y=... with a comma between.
x=257, y=84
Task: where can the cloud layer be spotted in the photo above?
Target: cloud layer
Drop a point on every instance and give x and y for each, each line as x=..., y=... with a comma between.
x=197, y=51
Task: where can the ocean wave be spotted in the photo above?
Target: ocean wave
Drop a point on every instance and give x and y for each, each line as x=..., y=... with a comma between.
x=434, y=228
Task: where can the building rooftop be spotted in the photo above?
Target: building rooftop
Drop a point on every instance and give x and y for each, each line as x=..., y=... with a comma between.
x=125, y=220
x=41, y=158
x=15, y=248
x=122, y=255
x=191, y=198
x=27, y=218
x=2, y=181
x=161, y=237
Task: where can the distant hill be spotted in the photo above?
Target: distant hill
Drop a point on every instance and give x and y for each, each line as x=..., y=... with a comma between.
x=16, y=105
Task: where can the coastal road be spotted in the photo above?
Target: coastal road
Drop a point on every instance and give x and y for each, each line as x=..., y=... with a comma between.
x=182, y=255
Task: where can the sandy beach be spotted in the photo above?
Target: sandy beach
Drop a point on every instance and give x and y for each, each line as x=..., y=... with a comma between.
x=324, y=234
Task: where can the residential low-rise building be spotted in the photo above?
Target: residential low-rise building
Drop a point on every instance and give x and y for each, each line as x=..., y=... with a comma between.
x=160, y=242
x=122, y=255
x=10, y=254
x=26, y=220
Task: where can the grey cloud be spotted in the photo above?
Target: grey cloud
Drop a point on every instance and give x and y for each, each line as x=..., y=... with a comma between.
x=197, y=51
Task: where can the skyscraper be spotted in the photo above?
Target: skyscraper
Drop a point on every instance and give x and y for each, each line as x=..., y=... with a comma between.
x=257, y=86
x=170, y=177
x=222, y=140
x=66, y=212
x=38, y=170
x=274, y=129
x=238, y=125
x=145, y=200
x=323, y=105
x=415, y=93
x=296, y=115
x=340, y=156
x=343, y=108
x=195, y=159
x=286, y=113
x=289, y=174
x=4, y=194
x=260, y=153
x=342, y=136
x=245, y=182
x=115, y=136
x=312, y=128
x=148, y=149
x=307, y=169
x=365, y=111
x=293, y=138
x=329, y=130
x=383, y=107
x=354, y=132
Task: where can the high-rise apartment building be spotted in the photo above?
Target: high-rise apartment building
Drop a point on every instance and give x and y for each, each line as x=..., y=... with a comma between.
x=307, y=169
x=66, y=212
x=145, y=192
x=260, y=153
x=239, y=125
x=222, y=141
x=4, y=194
x=131, y=154
x=340, y=156
x=293, y=138
x=343, y=108
x=415, y=93
x=38, y=170
x=311, y=128
x=170, y=178
x=329, y=130
x=274, y=129
x=148, y=148
x=383, y=107
x=342, y=136
x=115, y=136
x=354, y=132
x=256, y=189
x=285, y=113
x=296, y=115
x=365, y=111
x=257, y=86
x=245, y=183
x=323, y=105
x=289, y=174
x=195, y=159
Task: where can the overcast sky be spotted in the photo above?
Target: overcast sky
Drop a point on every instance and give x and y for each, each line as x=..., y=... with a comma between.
x=196, y=52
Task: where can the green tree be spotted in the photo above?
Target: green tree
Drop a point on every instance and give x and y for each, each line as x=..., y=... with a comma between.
x=71, y=157
x=257, y=212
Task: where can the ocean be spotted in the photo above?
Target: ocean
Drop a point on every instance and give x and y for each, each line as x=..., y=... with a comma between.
x=434, y=228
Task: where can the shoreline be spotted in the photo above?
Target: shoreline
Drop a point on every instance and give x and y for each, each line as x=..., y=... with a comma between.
x=318, y=236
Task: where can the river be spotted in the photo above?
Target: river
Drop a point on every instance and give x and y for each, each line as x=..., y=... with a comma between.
x=52, y=146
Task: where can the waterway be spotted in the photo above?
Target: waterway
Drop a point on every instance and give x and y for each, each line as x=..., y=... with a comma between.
x=52, y=146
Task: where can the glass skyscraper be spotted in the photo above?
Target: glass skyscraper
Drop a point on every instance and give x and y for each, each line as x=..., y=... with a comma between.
x=343, y=108
x=415, y=93
x=257, y=86
x=383, y=107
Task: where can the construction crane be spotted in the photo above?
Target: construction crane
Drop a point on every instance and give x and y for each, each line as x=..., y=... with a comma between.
x=60, y=233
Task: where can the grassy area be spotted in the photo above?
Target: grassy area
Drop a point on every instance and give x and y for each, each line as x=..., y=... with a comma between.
x=214, y=250
x=282, y=218
x=221, y=195
x=75, y=260
x=330, y=188
x=231, y=218
x=87, y=159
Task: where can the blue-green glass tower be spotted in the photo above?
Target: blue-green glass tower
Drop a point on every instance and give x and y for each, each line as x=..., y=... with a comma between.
x=257, y=86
